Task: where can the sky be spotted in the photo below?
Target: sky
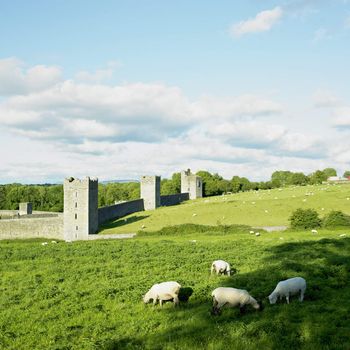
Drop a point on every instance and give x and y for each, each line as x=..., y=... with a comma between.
x=120, y=89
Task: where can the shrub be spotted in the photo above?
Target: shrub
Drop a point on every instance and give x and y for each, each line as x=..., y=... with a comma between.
x=305, y=218
x=336, y=218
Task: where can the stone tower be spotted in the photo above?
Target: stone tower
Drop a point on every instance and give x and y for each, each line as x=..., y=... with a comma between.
x=192, y=184
x=25, y=208
x=150, y=192
x=80, y=208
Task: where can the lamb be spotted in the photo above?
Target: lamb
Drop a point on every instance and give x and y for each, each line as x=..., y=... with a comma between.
x=232, y=297
x=220, y=266
x=163, y=291
x=288, y=287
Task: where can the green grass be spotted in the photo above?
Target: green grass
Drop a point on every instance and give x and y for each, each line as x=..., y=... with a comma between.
x=260, y=208
x=87, y=295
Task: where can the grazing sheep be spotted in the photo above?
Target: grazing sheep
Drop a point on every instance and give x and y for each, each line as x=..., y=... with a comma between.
x=220, y=266
x=232, y=297
x=288, y=287
x=163, y=291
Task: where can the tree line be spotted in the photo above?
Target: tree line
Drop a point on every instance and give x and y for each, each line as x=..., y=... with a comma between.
x=50, y=197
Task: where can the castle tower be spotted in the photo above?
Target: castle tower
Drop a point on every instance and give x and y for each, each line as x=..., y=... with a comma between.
x=25, y=208
x=80, y=208
x=192, y=184
x=150, y=191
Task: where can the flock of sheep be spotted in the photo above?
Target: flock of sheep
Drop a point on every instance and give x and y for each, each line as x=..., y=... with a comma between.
x=230, y=297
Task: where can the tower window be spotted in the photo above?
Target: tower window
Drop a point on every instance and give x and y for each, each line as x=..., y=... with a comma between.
x=76, y=194
x=76, y=216
x=76, y=228
x=76, y=204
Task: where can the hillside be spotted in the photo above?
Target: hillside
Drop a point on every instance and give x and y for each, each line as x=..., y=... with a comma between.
x=257, y=208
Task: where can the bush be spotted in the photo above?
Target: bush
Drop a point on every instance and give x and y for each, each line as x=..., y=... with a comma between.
x=336, y=218
x=305, y=218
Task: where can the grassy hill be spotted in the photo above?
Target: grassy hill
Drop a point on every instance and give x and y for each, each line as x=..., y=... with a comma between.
x=88, y=295
x=257, y=208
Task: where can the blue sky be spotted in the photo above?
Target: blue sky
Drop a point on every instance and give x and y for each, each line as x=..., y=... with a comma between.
x=119, y=89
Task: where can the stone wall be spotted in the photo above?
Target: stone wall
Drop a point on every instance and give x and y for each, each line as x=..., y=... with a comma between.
x=173, y=199
x=50, y=228
x=119, y=210
x=4, y=214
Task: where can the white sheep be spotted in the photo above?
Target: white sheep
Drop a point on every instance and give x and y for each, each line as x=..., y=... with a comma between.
x=288, y=287
x=163, y=291
x=220, y=266
x=232, y=297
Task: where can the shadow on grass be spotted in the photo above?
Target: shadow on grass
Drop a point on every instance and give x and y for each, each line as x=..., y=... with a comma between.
x=179, y=230
x=122, y=222
x=322, y=321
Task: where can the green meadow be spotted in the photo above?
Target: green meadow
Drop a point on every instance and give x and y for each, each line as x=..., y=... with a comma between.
x=255, y=208
x=88, y=295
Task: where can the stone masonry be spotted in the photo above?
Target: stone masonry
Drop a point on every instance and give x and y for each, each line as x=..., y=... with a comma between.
x=25, y=208
x=192, y=184
x=80, y=208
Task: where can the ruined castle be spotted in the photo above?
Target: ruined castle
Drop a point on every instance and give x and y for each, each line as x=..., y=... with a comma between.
x=81, y=216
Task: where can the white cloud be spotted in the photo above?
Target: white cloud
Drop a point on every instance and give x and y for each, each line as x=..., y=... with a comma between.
x=100, y=75
x=262, y=22
x=342, y=117
x=325, y=98
x=233, y=107
x=15, y=79
x=125, y=131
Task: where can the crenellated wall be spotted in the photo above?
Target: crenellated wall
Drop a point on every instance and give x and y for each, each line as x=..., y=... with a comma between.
x=81, y=215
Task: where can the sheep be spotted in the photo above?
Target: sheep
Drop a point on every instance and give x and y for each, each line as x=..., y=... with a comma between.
x=232, y=297
x=220, y=266
x=163, y=291
x=288, y=287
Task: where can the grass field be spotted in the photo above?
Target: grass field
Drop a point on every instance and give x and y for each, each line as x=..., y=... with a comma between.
x=258, y=208
x=88, y=295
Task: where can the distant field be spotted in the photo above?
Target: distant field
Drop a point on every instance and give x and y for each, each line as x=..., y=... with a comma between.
x=258, y=208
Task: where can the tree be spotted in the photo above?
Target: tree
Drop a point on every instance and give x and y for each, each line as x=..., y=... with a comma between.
x=346, y=173
x=281, y=178
x=305, y=218
x=317, y=177
x=298, y=179
x=329, y=172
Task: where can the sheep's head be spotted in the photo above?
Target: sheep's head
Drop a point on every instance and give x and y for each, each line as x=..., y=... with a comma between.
x=261, y=306
x=272, y=298
x=147, y=298
x=215, y=311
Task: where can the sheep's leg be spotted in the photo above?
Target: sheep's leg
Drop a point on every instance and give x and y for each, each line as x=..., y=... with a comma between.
x=228, y=273
x=242, y=309
x=160, y=302
x=176, y=300
x=301, y=295
x=154, y=301
x=287, y=298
